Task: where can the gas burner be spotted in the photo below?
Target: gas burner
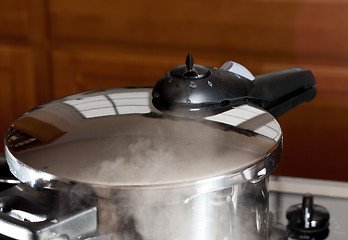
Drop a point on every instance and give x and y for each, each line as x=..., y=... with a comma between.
x=307, y=220
x=321, y=215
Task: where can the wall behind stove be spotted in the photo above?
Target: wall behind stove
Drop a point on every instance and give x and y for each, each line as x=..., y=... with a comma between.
x=49, y=49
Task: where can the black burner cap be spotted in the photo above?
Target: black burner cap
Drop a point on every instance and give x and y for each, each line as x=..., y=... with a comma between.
x=308, y=220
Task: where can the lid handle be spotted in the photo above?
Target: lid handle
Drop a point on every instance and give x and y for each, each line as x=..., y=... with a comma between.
x=280, y=91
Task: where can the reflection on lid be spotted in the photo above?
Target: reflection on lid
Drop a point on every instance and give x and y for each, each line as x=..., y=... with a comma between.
x=29, y=132
x=112, y=104
x=252, y=118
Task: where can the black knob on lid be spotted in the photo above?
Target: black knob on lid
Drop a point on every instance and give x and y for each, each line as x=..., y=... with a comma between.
x=308, y=220
x=192, y=90
x=189, y=62
x=189, y=70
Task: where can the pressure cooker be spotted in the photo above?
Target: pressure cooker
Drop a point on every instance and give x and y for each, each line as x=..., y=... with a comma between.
x=187, y=159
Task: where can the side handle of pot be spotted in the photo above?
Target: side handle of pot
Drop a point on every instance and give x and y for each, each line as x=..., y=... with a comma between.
x=280, y=91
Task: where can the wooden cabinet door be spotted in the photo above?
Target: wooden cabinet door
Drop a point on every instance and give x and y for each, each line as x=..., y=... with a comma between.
x=17, y=91
x=82, y=71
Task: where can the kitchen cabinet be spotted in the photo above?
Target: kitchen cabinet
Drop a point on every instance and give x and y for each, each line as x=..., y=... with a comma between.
x=18, y=90
x=49, y=49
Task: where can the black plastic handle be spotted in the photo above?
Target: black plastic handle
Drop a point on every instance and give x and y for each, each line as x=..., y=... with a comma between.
x=193, y=90
x=280, y=91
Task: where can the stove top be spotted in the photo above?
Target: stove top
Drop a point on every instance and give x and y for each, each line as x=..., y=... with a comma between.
x=284, y=192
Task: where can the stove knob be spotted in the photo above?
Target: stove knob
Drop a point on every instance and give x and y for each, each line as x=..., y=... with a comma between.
x=308, y=220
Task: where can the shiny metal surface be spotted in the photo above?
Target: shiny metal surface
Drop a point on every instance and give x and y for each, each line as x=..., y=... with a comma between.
x=159, y=176
x=28, y=214
x=284, y=192
x=6, y=178
x=117, y=137
x=239, y=212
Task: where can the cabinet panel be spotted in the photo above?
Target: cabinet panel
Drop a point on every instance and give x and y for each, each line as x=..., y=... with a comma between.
x=75, y=72
x=316, y=133
x=315, y=139
x=6, y=97
x=301, y=29
x=17, y=92
x=82, y=45
x=14, y=19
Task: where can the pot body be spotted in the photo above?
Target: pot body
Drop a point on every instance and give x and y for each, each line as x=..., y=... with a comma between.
x=153, y=176
x=238, y=212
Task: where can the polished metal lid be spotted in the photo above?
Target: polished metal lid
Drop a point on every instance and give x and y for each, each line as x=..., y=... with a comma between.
x=115, y=139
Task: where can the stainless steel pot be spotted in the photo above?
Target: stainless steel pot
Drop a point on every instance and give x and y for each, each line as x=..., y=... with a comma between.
x=155, y=175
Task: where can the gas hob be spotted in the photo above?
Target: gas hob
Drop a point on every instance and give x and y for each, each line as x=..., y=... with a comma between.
x=285, y=192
